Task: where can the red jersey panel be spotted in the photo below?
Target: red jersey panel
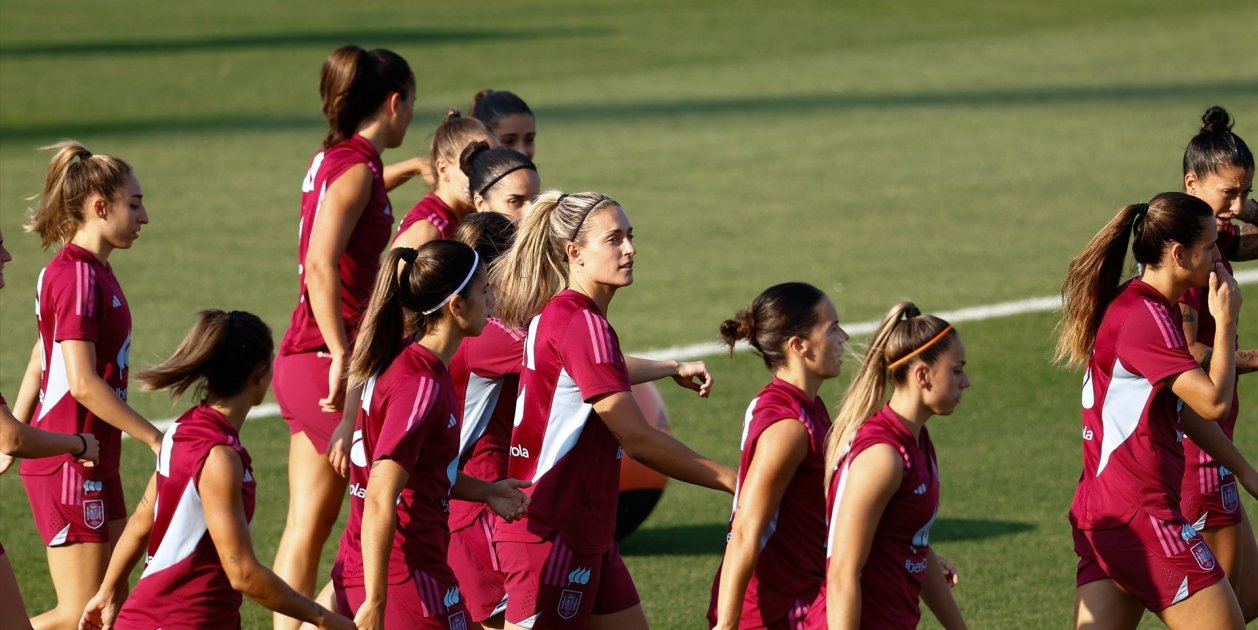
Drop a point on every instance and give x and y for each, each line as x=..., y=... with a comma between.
x=791, y=561
x=1132, y=457
x=408, y=417
x=183, y=584
x=360, y=262
x=78, y=298
x=435, y=211
x=891, y=580
x=571, y=356
x=486, y=374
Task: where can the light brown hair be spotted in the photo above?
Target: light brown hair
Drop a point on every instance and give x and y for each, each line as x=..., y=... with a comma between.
x=74, y=174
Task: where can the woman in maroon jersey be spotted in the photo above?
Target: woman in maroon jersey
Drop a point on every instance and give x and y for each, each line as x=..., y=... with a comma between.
x=509, y=117
x=438, y=214
x=391, y=570
x=772, y=572
x=17, y=439
x=500, y=179
x=192, y=525
x=883, y=482
x=346, y=221
x=577, y=417
x=1219, y=169
x=91, y=205
x=1136, y=550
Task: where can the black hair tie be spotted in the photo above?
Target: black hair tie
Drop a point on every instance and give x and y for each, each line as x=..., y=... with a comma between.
x=507, y=172
x=408, y=254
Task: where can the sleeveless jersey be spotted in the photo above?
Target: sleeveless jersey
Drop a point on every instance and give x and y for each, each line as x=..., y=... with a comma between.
x=486, y=374
x=1132, y=457
x=360, y=262
x=183, y=584
x=78, y=298
x=571, y=356
x=435, y=211
x=408, y=417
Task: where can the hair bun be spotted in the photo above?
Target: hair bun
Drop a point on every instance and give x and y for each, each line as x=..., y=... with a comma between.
x=1216, y=120
x=451, y=114
x=742, y=326
x=470, y=152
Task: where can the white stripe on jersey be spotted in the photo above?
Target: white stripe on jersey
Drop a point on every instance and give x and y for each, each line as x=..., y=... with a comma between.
x=568, y=415
x=1125, y=401
x=838, y=501
x=58, y=386
x=479, y=402
x=184, y=533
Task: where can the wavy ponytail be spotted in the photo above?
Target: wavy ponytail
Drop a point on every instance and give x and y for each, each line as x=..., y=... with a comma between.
x=536, y=266
x=73, y=175
x=218, y=356
x=901, y=341
x=780, y=312
x=354, y=84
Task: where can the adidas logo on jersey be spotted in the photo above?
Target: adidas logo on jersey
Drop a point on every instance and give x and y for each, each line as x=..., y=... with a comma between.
x=519, y=451
x=579, y=575
x=453, y=421
x=117, y=302
x=921, y=489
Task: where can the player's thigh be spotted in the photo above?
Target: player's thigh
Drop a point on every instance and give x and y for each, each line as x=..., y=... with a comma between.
x=315, y=491
x=77, y=570
x=1212, y=607
x=631, y=618
x=1102, y=605
x=14, y=617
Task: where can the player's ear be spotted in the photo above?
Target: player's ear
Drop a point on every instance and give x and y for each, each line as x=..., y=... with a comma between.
x=1177, y=255
x=1191, y=182
x=798, y=346
x=921, y=375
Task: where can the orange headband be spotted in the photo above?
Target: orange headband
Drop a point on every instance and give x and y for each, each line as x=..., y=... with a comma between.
x=905, y=359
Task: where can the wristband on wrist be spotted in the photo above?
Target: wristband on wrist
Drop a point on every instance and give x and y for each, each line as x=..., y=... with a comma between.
x=1205, y=361
x=82, y=451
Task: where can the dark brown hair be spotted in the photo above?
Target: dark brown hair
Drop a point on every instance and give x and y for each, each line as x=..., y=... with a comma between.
x=73, y=175
x=1215, y=147
x=489, y=233
x=218, y=356
x=453, y=135
x=780, y=312
x=490, y=107
x=486, y=166
x=355, y=83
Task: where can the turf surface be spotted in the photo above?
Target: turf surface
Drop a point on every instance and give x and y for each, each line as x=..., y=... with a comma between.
x=956, y=153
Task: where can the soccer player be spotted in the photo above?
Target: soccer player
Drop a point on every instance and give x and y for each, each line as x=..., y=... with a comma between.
x=17, y=439
x=346, y=221
x=772, y=572
x=194, y=517
x=438, y=214
x=576, y=416
x=391, y=571
x=500, y=179
x=91, y=205
x=1219, y=169
x=883, y=480
x=509, y=117
x=1136, y=550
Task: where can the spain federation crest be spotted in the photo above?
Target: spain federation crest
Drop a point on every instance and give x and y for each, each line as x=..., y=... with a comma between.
x=94, y=513
x=457, y=621
x=1201, y=553
x=569, y=603
x=1230, y=496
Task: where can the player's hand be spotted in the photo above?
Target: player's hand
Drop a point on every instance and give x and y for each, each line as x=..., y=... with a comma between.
x=339, y=447
x=949, y=570
x=101, y=611
x=91, y=455
x=337, y=381
x=6, y=462
x=506, y=500
x=1225, y=295
x=334, y=621
x=369, y=617
x=694, y=375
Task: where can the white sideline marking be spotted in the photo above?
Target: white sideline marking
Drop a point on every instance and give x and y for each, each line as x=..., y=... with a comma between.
x=858, y=329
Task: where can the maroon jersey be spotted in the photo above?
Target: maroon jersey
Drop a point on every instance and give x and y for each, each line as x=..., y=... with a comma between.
x=360, y=261
x=435, y=211
x=1132, y=457
x=78, y=298
x=571, y=356
x=486, y=374
x=891, y=580
x=1202, y=474
x=183, y=584
x=791, y=561
x=408, y=417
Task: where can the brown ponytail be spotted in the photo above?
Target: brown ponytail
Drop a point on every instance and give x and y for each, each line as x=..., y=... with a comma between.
x=73, y=175
x=902, y=340
x=410, y=282
x=452, y=136
x=536, y=266
x=782, y=311
x=1095, y=275
x=218, y=356
x=355, y=83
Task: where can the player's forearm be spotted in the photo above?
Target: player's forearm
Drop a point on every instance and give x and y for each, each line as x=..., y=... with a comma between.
x=28, y=392
x=269, y=591
x=469, y=488
x=938, y=596
x=323, y=287
x=127, y=553
x=401, y=172
x=99, y=398
x=21, y=440
x=379, y=523
x=664, y=453
x=648, y=370
x=1246, y=361
x=843, y=600
x=741, y=553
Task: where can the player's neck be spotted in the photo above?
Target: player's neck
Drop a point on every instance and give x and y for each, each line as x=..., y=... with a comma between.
x=802, y=378
x=94, y=243
x=375, y=134
x=235, y=408
x=912, y=411
x=442, y=342
x=1165, y=282
x=602, y=294
x=453, y=200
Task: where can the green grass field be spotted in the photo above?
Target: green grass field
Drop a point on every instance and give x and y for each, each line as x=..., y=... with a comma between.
x=955, y=153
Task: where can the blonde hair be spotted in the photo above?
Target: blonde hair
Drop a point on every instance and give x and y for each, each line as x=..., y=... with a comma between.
x=73, y=175
x=536, y=266
x=904, y=333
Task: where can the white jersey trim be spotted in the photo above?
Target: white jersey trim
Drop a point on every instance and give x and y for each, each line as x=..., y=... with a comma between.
x=479, y=402
x=568, y=415
x=1126, y=398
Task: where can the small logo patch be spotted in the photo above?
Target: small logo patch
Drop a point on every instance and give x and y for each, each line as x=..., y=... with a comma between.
x=457, y=621
x=569, y=604
x=90, y=487
x=94, y=513
x=1231, y=498
x=117, y=302
x=1201, y=553
x=579, y=575
x=920, y=489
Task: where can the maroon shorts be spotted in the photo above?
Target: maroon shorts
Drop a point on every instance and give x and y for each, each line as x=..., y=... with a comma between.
x=69, y=508
x=1210, y=495
x=551, y=586
x=472, y=558
x=1160, y=563
x=764, y=607
x=300, y=381
x=419, y=602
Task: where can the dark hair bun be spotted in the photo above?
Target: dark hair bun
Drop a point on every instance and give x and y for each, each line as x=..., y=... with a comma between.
x=1216, y=120
x=470, y=152
x=742, y=326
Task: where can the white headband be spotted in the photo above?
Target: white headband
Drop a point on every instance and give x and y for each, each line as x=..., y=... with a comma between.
x=463, y=285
